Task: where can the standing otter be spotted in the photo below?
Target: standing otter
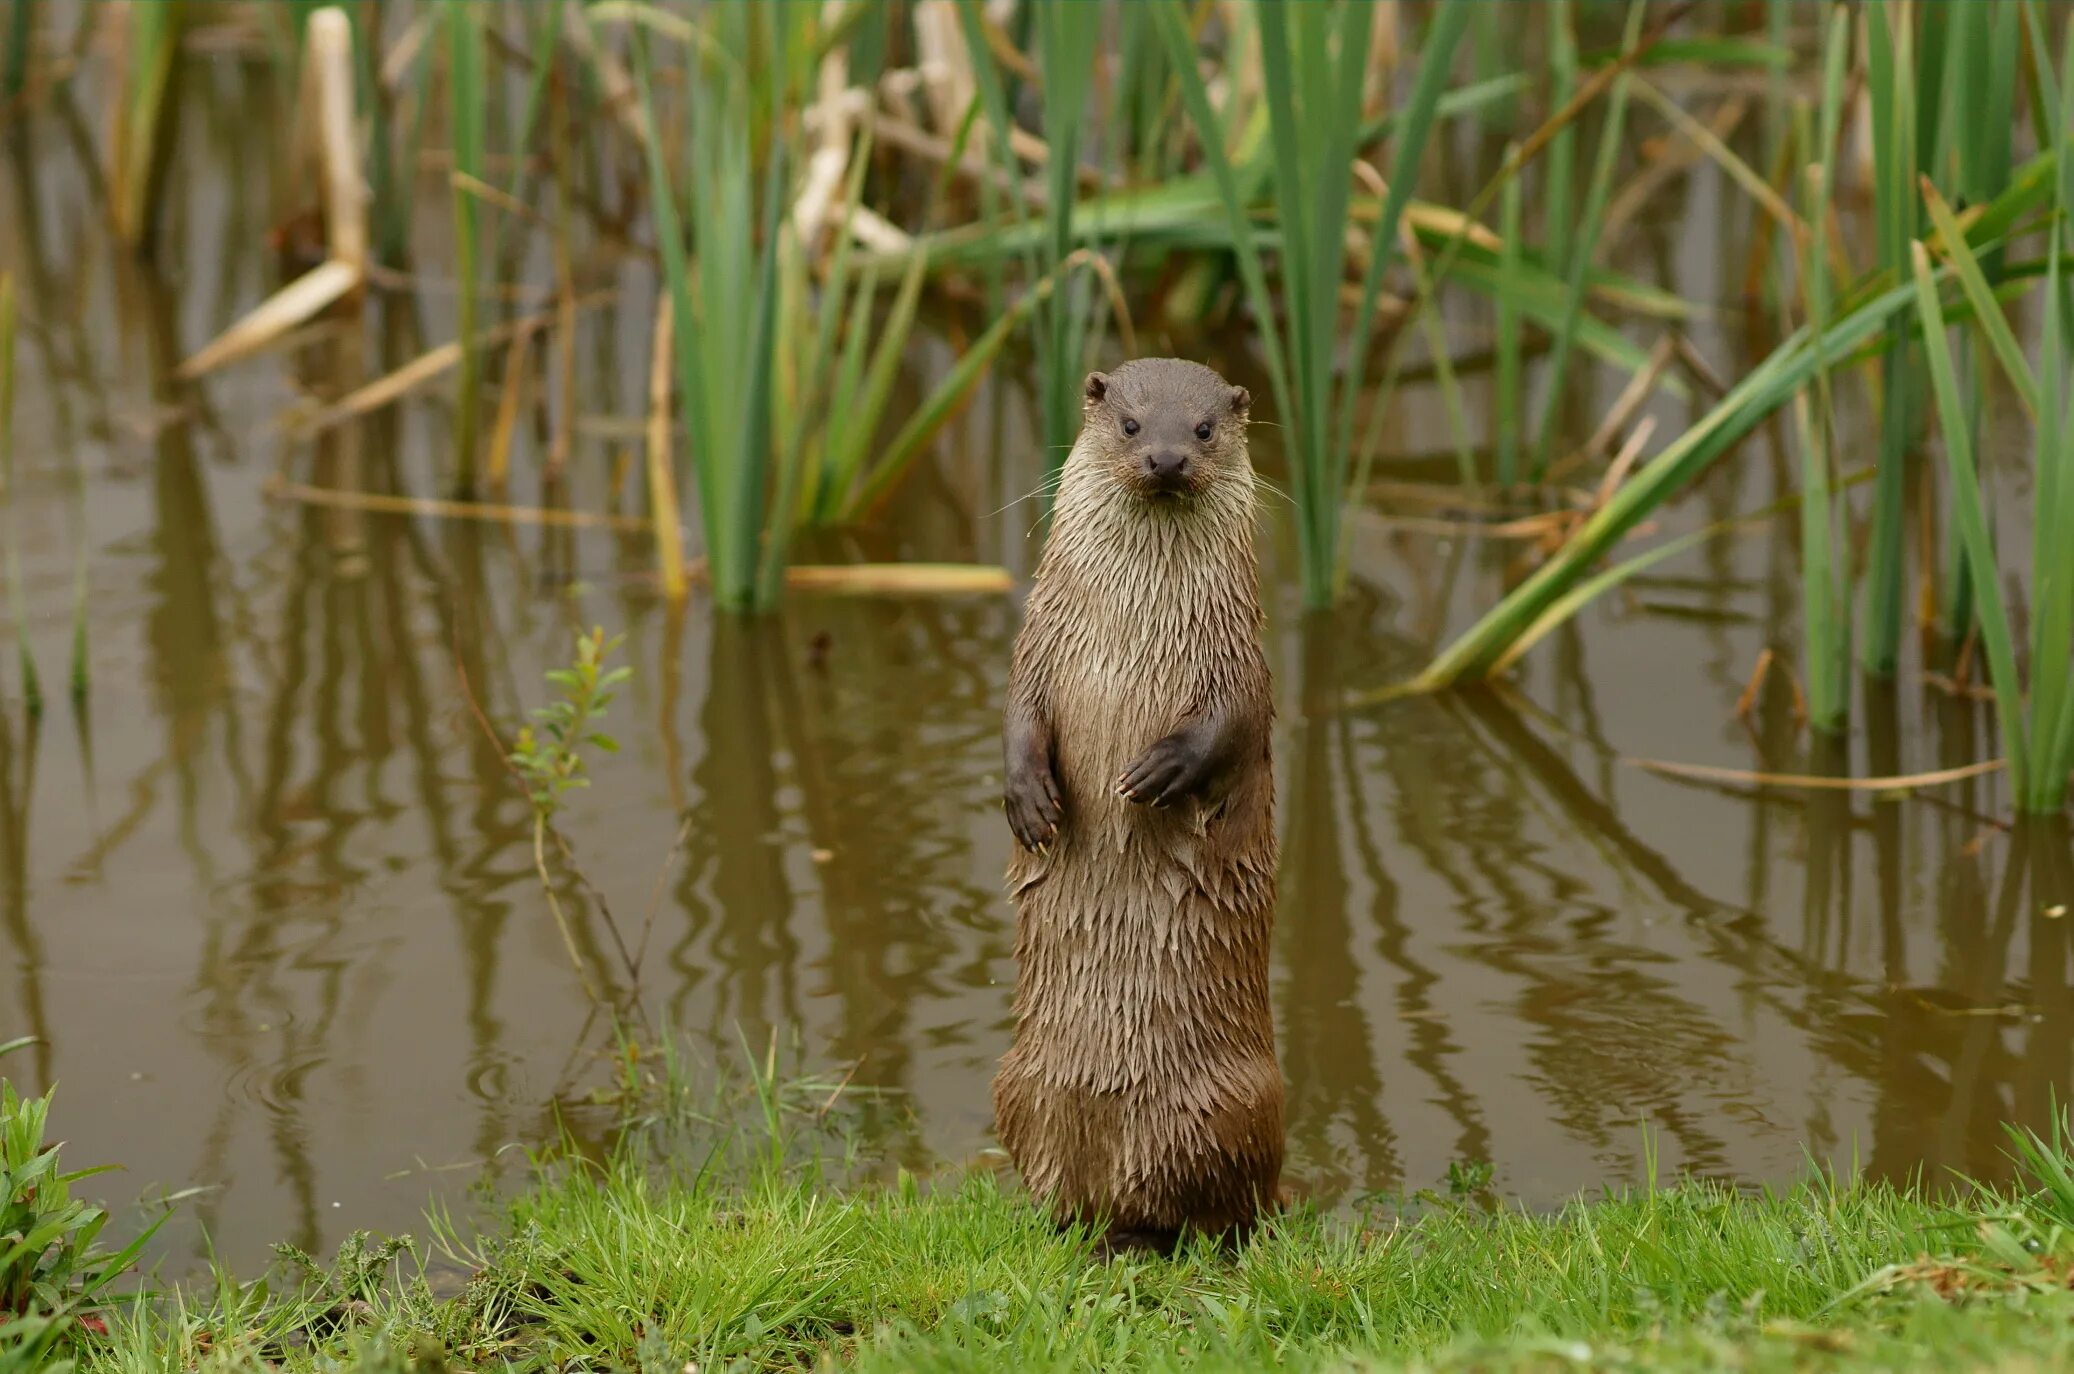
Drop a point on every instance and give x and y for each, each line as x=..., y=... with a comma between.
x=1142, y=1092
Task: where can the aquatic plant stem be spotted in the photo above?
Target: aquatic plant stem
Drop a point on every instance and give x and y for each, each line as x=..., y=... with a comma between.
x=554, y=904
x=32, y=689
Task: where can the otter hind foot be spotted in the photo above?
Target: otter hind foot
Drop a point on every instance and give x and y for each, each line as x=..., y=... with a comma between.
x=1132, y=1243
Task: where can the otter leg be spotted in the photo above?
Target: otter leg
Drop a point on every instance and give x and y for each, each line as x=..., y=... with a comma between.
x=1030, y=791
x=1199, y=760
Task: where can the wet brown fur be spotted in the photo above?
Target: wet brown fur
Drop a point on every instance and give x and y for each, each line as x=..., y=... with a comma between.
x=1142, y=1093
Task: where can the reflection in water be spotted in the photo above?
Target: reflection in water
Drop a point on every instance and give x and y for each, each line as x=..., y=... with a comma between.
x=285, y=908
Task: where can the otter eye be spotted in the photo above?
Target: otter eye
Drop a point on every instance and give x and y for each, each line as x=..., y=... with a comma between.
x=1203, y=431
x=1130, y=426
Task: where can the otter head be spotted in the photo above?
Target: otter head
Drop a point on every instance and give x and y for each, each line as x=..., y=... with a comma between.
x=1166, y=429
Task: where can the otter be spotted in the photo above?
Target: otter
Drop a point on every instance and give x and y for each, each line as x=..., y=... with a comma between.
x=1141, y=1094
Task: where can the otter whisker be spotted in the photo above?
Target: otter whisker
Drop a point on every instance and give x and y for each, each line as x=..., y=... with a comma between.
x=1049, y=486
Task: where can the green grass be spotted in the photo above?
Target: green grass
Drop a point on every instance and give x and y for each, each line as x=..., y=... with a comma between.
x=728, y=1232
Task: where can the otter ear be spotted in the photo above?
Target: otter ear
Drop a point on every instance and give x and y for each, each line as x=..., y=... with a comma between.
x=1241, y=400
x=1097, y=386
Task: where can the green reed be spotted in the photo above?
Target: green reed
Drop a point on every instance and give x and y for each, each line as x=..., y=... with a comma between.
x=21, y=34
x=1580, y=250
x=1825, y=556
x=465, y=112
x=2037, y=726
x=1897, y=128
x=1980, y=78
x=1507, y=342
x=1866, y=314
x=720, y=266
x=32, y=690
x=144, y=121
x=1061, y=319
x=1313, y=67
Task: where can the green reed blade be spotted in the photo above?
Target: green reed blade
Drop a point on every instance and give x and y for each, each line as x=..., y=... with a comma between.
x=1791, y=365
x=466, y=114
x=863, y=408
x=1508, y=327
x=1180, y=43
x=1559, y=175
x=21, y=33
x=1436, y=58
x=685, y=331
x=1824, y=553
x=1596, y=193
x=2052, y=530
x=1986, y=310
x=32, y=690
x=1890, y=82
x=943, y=401
x=1991, y=616
x=1068, y=37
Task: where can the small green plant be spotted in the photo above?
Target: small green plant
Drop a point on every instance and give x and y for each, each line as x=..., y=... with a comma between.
x=52, y=1274
x=549, y=757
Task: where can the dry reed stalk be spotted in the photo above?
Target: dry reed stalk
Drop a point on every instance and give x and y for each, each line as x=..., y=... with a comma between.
x=945, y=67
x=440, y=508
x=518, y=367
x=328, y=83
x=1623, y=408
x=891, y=579
x=1816, y=782
x=662, y=479
x=614, y=81
x=418, y=371
x=828, y=165
x=1680, y=155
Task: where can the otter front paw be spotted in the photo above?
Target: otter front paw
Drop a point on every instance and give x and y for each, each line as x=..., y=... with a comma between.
x=1176, y=767
x=1032, y=801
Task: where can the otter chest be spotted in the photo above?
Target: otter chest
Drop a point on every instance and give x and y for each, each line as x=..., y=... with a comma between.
x=1138, y=658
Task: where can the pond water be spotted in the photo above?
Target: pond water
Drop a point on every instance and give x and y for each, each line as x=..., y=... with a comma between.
x=267, y=901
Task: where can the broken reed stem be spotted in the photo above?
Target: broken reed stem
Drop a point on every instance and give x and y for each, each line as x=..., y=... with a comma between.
x=662, y=481
x=328, y=85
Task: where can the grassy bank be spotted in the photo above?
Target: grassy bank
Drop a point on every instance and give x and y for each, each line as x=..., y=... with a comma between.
x=752, y=1247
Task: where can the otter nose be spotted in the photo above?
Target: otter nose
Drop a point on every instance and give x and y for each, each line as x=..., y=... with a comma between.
x=1167, y=467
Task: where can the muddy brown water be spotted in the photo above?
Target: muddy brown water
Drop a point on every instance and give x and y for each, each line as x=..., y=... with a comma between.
x=267, y=902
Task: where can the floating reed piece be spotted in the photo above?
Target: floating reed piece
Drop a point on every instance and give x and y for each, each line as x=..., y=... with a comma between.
x=327, y=95
x=32, y=691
